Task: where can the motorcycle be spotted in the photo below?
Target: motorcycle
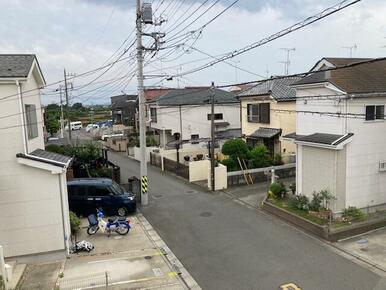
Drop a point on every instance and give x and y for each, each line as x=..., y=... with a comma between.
x=119, y=225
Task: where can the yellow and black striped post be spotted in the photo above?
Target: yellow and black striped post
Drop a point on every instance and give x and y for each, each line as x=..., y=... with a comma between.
x=144, y=184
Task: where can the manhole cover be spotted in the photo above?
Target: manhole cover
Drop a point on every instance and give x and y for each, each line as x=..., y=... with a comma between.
x=191, y=191
x=148, y=257
x=156, y=196
x=206, y=214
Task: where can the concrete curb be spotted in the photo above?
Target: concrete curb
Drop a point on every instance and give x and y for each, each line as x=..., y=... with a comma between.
x=173, y=262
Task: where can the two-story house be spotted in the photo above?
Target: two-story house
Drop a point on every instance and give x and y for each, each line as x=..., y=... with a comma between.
x=188, y=112
x=267, y=114
x=340, y=134
x=34, y=210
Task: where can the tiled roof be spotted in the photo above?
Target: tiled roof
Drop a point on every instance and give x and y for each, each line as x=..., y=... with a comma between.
x=120, y=101
x=151, y=94
x=265, y=133
x=46, y=157
x=341, y=61
x=195, y=96
x=15, y=65
x=279, y=89
x=323, y=138
x=361, y=78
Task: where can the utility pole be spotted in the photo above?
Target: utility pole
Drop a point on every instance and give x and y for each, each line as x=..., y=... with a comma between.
x=68, y=105
x=213, y=140
x=141, y=98
x=287, y=62
x=61, y=113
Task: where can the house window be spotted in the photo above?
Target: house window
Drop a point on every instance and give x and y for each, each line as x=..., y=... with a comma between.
x=375, y=112
x=31, y=121
x=216, y=116
x=259, y=113
x=153, y=115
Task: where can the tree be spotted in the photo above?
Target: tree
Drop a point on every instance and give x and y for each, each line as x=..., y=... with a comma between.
x=52, y=125
x=236, y=148
x=78, y=106
x=260, y=157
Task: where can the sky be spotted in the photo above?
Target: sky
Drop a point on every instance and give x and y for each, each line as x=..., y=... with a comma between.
x=82, y=35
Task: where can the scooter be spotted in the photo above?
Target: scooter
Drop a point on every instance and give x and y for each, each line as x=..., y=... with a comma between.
x=119, y=225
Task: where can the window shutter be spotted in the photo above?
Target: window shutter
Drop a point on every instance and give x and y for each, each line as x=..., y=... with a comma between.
x=370, y=113
x=264, y=113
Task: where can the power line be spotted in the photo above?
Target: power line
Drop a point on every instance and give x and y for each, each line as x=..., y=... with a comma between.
x=308, y=21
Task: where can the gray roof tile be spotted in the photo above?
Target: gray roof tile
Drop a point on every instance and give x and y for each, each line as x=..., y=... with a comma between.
x=279, y=89
x=50, y=156
x=323, y=138
x=15, y=65
x=265, y=133
x=361, y=78
x=195, y=96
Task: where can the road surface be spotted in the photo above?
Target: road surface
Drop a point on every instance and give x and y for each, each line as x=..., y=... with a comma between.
x=226, y=245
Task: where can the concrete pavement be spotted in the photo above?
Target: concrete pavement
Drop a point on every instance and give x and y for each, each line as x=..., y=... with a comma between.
x=132, y=261
x=375, y=251
x=225, y=245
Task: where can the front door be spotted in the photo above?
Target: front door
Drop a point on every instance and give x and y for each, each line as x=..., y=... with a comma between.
x=97, y=195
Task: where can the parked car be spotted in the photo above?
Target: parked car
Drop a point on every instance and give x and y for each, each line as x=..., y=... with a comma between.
x=85, y=195
x=77, y=125
x=106, y=136
x=91, y=126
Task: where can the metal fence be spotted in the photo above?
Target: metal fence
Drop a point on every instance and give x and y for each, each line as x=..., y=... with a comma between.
x=262, y=174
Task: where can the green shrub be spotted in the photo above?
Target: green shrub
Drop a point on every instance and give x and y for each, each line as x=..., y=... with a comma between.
x=236, y=148
x=150, y=141
x=260, y=157
x=316, y=202
x=74, y=223
x=230, y=163
x=56, y=149
x=299, y=202
x=105, y=172
x=278, y=159
x=353, y=214
x=275, y=188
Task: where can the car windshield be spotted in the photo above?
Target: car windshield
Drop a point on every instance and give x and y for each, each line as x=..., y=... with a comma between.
x=116, y=189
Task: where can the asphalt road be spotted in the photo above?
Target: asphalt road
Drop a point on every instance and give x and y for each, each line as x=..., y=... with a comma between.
x=225, y=245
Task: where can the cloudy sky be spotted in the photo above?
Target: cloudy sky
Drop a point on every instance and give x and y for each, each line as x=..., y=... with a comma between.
x=82, y=35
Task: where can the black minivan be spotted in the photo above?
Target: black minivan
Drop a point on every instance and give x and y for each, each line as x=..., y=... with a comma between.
x=85, y=195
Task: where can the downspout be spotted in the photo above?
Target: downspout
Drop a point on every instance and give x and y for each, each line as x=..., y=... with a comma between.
x=21, y=108
x=65, y=212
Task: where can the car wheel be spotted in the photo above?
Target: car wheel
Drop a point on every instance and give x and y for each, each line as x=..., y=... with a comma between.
x=122, y=211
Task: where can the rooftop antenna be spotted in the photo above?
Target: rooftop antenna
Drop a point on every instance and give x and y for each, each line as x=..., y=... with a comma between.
x=351, y=49
x=287, y=62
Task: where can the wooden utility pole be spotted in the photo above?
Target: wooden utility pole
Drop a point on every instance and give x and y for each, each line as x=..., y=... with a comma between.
x=68, y=105
x=213, y=140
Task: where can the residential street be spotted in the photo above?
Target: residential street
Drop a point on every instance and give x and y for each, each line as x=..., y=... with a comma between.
x=226, y=245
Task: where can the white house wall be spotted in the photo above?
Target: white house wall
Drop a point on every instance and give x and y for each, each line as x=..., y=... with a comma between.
x=308, y=123
x=30, y=208
x=194, y=119
x=366, y=186
x=33, y=98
